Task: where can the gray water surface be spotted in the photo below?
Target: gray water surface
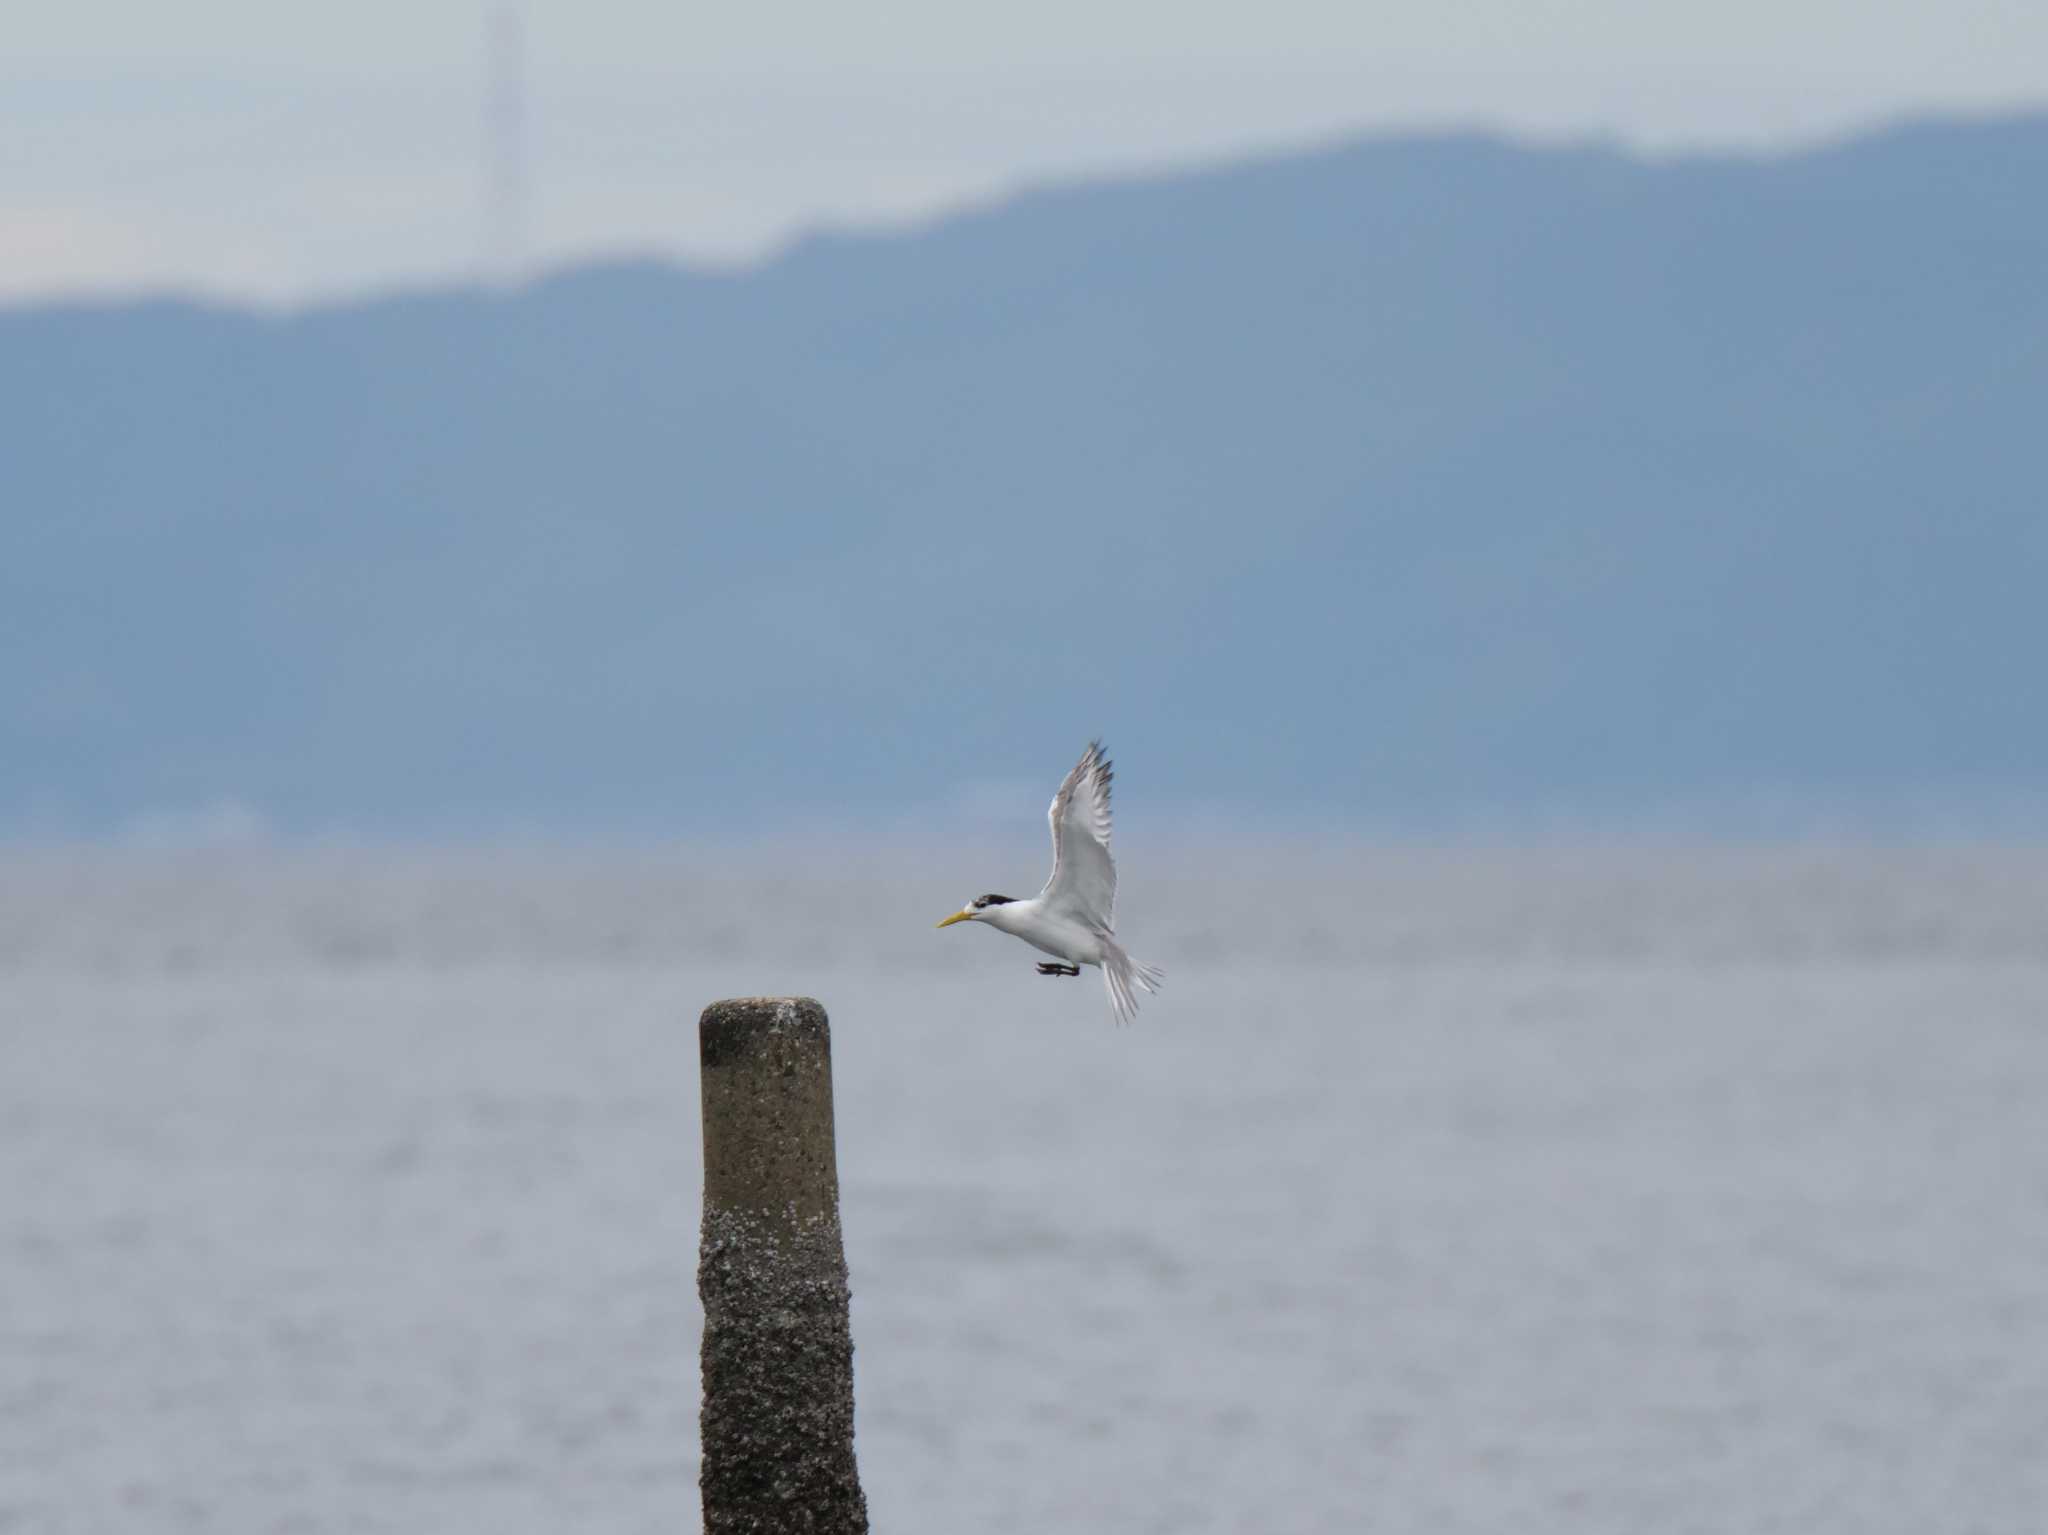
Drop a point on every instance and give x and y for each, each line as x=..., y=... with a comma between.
x=1606, y=1192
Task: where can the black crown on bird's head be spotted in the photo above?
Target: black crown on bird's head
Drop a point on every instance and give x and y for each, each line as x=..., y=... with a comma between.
x=990, y=900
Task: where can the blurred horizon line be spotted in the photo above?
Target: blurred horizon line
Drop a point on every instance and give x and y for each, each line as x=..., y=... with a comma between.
x=540, y=268
x=1170, y=827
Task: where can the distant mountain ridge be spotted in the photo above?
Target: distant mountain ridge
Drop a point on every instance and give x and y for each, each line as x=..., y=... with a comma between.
x=1398, y=476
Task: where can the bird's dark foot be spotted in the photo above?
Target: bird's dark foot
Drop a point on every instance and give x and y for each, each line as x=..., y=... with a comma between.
x=1058, y=969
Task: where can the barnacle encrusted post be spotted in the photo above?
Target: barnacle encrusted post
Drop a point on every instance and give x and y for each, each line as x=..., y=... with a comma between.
x=778, y=1346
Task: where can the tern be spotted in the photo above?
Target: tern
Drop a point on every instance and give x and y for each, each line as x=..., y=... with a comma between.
x=1072, y=918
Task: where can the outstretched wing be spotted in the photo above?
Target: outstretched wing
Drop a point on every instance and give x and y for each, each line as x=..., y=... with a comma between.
x=1083, y=883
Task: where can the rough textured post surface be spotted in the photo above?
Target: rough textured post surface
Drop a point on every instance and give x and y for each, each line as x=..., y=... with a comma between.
x=778, y=1347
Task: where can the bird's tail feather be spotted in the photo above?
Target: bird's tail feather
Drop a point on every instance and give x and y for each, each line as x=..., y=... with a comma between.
x=1124, y=977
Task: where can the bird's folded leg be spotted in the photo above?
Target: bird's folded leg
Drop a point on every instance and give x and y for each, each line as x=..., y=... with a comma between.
x=1054, y=968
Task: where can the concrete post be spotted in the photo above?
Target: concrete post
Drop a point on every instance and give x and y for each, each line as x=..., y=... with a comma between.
x=778, y=1346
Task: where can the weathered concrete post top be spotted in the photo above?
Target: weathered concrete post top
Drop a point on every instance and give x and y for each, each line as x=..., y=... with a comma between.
x=778, y=1345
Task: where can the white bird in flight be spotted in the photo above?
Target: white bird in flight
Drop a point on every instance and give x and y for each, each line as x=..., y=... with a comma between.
x=1072, y=918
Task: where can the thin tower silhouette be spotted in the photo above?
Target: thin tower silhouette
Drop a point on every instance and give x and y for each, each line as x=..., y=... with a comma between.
x=505, y=193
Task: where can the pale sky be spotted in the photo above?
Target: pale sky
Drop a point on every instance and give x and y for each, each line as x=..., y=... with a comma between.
x=279, y=152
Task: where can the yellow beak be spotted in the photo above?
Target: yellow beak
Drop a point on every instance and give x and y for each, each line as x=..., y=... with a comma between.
x=958, y=916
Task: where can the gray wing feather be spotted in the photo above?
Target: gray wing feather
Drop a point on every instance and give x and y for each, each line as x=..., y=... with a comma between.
x=1083, y=883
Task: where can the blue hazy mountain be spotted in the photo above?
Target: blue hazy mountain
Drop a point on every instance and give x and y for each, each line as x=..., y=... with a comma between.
x=1392, y=478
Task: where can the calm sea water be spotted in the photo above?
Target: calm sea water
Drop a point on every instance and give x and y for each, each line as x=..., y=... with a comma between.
x=1561, y=1191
